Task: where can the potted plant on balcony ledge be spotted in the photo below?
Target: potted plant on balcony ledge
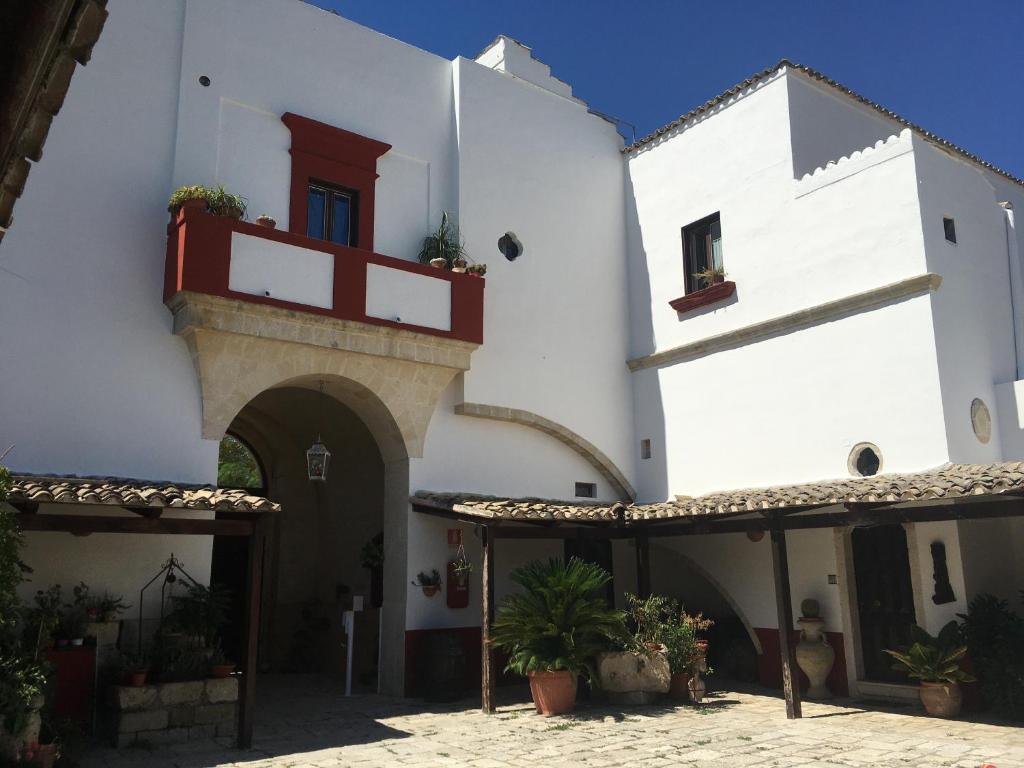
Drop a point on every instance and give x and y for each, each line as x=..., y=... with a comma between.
x=215, y=200
x=443, y=248
x=710, y=276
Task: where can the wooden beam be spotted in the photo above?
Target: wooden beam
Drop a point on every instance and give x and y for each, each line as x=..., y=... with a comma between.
x=487, y=679
x=562, y=532
x=146, y=511
x=643, y=565
x=253, y=600
x=85, y=524
x=784, y=611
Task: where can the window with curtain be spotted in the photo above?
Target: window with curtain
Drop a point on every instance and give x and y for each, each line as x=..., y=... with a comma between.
x=331, y=214
x=702, y=253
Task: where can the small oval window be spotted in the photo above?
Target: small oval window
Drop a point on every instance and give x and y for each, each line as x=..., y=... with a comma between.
x=510, y=246
x=865, y=460
x=981, y=420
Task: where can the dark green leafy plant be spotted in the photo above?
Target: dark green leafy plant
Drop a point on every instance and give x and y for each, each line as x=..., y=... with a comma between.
x=559, y=621
x=236, y=466
x=444, y=243
x=43, y=619
x=432, y=579
x=201, y=613
x=372, y=553
x=218, y=201
x=21, y=676
x=933, y=659
x=995, y=640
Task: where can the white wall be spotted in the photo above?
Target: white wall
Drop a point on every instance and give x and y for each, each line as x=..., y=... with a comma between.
x=346, y=76
x=94, y=382
x=787, y=409
x=826, y=125
x=555, y=320
x=120, y=564
x=972, y=311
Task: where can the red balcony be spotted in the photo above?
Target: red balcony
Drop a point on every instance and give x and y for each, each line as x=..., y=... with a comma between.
x=220, y=256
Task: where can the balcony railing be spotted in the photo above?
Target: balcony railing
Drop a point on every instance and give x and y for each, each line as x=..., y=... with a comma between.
x=220, y=256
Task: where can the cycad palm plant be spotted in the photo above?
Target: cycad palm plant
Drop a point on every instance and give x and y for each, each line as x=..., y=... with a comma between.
x=560, y=621
x=444, y=243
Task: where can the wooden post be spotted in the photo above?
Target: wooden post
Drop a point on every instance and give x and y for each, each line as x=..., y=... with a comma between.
x=643, y=565
x=253, y=598
x=486, y=598
x=784, y=609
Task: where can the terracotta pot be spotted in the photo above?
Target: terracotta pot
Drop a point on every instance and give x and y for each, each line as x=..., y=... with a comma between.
x=138, y=679
x=233, y=213
x=221, y=670
x=459, y=270
x=266, y=221
x=431, y=590
x=438, y=263
x=678, y=688
x=193, y=205
x=554, y=693
x=941, y=699
x=92, y=613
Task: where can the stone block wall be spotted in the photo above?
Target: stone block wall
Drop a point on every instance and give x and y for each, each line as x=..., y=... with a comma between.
x=173, y=712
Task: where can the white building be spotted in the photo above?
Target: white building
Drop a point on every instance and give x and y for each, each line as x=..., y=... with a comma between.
x=871, y=299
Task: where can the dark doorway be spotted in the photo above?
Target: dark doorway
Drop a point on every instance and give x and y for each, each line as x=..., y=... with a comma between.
x=238, y=467
x=885, y=597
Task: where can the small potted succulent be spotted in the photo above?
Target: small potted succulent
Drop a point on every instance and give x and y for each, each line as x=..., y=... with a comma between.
x=429, y=583
x=935, y=662
x=188, y=198
x=266, y=221
x=477, y=270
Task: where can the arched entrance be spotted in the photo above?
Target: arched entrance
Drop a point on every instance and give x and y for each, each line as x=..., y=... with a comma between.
x=317, y=545
x=734, y=645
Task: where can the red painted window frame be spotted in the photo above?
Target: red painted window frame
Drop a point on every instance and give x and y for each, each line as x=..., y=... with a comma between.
x=336, y=157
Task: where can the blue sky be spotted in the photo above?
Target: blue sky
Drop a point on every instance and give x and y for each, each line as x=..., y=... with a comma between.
x=952, y=66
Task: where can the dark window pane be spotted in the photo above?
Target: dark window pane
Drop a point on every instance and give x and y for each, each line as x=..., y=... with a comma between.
x=950, y=228
x=316, y=213
x=341, y=209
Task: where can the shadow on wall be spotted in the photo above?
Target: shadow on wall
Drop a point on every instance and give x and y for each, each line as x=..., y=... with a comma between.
x=648, y=409
x=732, y=650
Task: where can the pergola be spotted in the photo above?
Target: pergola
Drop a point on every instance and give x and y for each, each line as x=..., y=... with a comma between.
x=237, y=514
x=949, y=492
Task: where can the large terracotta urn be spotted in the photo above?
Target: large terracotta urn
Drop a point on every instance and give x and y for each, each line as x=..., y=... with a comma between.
x=815, y=656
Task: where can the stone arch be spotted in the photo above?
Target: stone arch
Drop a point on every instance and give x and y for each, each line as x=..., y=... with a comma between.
x=590, y=452
x=394, y=397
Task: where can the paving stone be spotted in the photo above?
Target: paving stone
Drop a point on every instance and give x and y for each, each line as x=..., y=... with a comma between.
x=132, y=722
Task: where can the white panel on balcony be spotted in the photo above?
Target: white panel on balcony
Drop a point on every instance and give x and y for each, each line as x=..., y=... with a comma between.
x=408, y=297
x=264, y=267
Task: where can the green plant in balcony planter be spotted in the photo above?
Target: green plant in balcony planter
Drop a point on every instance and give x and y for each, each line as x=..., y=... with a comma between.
x=443, y=244
x=215, y=200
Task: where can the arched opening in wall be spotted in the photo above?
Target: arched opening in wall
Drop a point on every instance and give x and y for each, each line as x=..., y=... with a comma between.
x=733, y=647
x=325, y=548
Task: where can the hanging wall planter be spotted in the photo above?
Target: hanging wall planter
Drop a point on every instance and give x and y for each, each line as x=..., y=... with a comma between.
x=429, y=583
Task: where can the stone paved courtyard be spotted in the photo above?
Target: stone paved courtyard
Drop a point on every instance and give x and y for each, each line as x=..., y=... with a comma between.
x=304, y=722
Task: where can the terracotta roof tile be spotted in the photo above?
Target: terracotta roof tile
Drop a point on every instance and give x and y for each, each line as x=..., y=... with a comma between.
x=822, y=78
x=950, y=481
x=122, y=492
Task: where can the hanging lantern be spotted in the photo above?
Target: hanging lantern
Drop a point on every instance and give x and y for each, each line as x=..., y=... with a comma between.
x=317, y=459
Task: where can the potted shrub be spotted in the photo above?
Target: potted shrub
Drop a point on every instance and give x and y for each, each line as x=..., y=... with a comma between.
x=679, y=637
x=443, y=247
x=219, y=665
x=710, y=276
x=935, y=662
x=554, y=628
x=429, y=583
x=110, y=607
x=477, y=270
x=134, y=669
x=200, y=614
x=638, y=671
x=188, y=197
x=223, y=203
x=373, y=561
x=44, y=620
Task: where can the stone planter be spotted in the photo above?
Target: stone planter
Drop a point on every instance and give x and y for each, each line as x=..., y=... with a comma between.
x=554, y=693
x=173, y=712
x=815, y=657
x=634, y=678
x=941, y=699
